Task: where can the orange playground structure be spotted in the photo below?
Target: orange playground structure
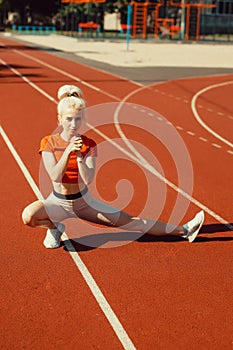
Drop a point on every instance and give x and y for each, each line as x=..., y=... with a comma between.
x=149, y=18
x=193, y=10
x=146, y=18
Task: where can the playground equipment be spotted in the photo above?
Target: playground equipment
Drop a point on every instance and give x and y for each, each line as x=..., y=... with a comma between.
x=192, y=12
x=145, y=16
x=157, y=19
x=146, y=20
x=89, y=26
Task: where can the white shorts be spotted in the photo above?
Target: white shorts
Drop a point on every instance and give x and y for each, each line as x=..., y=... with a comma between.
x=83, y=207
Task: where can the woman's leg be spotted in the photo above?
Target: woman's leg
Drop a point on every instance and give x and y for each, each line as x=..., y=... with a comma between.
x=35, y=215
x=151, y=227
x=188, y=231
x=103, y=214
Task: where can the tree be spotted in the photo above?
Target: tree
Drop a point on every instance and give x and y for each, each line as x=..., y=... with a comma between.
x=30, y=8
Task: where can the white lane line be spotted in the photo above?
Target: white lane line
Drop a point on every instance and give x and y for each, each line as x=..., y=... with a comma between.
x=97, y=293
x=198, y=118
x=21, y=164
x=203, y=139
x=27, y=81
x=216, y=145
x=199, y=106
x=62, y=72
x=191, y=133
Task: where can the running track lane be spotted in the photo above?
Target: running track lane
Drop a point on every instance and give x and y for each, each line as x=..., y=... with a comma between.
x=208, y=154
x=150, y=300
x=45, y=302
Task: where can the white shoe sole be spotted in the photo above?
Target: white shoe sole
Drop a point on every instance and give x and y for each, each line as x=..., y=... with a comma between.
x=198, y=222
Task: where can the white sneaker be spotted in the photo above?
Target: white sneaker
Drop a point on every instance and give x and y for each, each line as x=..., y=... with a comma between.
x=193, y=227
x=52, y=238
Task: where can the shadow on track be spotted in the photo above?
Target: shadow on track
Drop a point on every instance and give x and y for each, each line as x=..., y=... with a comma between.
x=95, y=241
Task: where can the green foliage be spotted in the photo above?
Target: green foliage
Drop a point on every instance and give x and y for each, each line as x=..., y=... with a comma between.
x=4, y=5
x=49, y=8
x=43, y=7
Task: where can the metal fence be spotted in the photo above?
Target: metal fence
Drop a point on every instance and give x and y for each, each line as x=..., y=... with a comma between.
x=216, y=26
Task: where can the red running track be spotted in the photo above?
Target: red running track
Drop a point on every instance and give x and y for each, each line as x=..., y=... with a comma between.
x=159, y=293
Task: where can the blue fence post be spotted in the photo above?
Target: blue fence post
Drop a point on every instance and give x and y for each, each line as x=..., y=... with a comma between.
x=128, y=26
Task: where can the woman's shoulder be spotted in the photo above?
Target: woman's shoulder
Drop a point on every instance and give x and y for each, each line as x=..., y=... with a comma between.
x=48, y=141
x=53, y=138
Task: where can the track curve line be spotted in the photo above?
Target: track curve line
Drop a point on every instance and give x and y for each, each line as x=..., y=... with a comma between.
x=139, y=158
x=197, y=116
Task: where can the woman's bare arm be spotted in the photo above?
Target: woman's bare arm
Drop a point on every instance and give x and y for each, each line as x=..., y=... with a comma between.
x=56, y=169
x=87, y=169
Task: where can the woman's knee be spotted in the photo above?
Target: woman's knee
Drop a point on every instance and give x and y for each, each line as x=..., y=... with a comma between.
x=117, y=219
x=32, y=213
x=28, y=217
x=130, y=223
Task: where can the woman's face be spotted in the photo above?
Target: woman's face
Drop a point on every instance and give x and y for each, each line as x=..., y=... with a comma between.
x=71, y=121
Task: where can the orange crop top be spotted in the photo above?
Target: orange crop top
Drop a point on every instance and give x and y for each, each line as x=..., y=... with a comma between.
x=56, y=145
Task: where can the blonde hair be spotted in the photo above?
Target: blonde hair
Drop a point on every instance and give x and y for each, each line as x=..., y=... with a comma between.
x=70, y=102
x=69, y=90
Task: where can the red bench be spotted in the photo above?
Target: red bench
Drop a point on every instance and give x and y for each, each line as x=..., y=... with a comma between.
x=90, y=26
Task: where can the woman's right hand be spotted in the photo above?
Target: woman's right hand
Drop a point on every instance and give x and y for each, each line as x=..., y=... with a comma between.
x=76, y=145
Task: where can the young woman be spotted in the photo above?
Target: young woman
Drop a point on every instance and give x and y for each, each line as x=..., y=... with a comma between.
x=70, y=160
